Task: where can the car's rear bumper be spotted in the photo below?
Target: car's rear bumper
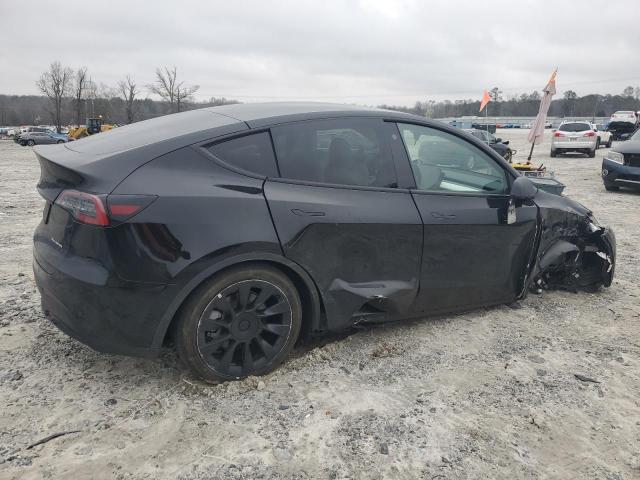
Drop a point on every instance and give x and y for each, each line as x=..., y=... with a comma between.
x=575, y=145
x=617, y=175
x=111, y=317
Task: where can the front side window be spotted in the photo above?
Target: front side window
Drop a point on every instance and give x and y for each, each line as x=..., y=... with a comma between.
x=252, y=153
x=442, y=162
x=346, y=151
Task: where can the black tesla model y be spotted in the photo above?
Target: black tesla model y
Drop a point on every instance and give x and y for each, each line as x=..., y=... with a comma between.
x=233, y=232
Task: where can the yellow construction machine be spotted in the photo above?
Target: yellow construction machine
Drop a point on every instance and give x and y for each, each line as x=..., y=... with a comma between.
x=93, y=126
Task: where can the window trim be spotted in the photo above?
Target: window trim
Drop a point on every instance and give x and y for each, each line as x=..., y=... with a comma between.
x=509, y=177
x=382, y=120
x=203, y=147
x=341, y=186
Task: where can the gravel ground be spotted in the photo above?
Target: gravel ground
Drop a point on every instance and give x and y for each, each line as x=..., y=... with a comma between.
x=487, y=394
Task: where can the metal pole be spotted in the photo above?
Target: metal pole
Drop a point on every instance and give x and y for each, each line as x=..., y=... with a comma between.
x=531, y=151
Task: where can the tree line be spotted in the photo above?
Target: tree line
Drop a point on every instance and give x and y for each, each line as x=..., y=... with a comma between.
x=69, y=96
x=526, y=105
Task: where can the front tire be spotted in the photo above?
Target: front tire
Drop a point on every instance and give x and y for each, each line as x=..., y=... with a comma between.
x=31, y=143
x=242, y=322
x=611, y=188
x=60, y=141
x=610, y=142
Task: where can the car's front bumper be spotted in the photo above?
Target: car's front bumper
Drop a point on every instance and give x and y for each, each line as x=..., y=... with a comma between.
x=618, y=175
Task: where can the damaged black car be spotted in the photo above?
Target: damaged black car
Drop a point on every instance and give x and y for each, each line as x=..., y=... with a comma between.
x=232, y=232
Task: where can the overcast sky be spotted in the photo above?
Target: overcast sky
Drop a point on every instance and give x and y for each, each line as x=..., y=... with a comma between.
x=366, y=52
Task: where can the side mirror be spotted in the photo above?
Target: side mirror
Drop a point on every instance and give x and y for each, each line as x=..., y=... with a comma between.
x=506, y=143
x=523, y=189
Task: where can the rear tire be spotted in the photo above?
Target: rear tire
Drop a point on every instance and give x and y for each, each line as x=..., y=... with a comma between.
x=553, y=154
x=611, y=188
x=31, y=143
x=242, y=322
x=592, y=153
x=610, y=142
x=60, y=141
x=598, y=143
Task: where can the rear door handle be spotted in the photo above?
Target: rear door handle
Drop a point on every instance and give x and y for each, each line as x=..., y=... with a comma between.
x=305, y=213
x=443, y=216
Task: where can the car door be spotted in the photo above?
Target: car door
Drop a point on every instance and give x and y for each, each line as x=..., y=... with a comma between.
x=339, y=214
x=477, y=242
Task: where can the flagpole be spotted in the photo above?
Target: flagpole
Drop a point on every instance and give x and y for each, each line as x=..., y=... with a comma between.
x=486, y=121
x=531, y=152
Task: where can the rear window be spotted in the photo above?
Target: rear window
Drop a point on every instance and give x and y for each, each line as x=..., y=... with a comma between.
x=574, y=127
x=252, y=153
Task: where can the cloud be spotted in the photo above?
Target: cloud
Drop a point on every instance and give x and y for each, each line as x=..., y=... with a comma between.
x=363, y=52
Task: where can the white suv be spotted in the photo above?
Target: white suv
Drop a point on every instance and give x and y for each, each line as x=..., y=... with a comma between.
x=575, y=137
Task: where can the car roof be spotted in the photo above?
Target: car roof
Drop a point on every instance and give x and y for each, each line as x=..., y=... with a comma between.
x=257, y=115
x=198, y=125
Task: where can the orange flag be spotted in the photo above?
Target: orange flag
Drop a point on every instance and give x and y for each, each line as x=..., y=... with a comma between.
x=485, y=99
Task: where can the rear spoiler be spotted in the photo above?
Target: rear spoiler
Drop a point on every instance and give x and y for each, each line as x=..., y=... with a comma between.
x=61, y=168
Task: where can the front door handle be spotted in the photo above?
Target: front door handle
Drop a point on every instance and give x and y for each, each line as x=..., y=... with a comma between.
x=305, y=213
x=443, y=216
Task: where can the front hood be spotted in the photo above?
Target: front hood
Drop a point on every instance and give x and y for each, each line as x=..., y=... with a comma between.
x=621, y=125
x=631, y=146
x=547, y=200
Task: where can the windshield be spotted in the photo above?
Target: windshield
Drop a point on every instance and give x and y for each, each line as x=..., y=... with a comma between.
x=574, y=127
x=636, y=136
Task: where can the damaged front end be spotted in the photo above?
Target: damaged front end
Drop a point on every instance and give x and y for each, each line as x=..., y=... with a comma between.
x=574, y=252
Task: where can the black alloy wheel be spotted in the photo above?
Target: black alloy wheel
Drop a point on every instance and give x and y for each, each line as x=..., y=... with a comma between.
x=243, y=323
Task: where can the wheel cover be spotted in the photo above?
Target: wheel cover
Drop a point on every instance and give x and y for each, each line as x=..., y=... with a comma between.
x=244, y=328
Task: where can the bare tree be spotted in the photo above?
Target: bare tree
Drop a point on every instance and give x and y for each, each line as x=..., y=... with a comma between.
x=55, y=84
x=170, y=89
x=628, y=91
x=128, y=92
x=185, y=94
x=79, y=90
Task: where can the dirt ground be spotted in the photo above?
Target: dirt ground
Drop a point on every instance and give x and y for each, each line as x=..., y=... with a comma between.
x=488, y=394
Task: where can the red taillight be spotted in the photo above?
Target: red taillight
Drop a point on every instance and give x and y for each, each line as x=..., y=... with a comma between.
x=590, y=134
x=84, y=207
x=123, y=207
x=558, y=134
x=124, y=210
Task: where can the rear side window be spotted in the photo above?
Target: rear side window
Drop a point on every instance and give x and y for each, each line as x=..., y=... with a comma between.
x=574, y=127
x=346, y=151
x=252, y=153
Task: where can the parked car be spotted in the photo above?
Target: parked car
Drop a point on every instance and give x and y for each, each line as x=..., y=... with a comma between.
x=621, y=165
x=28, y=130
x=236, y=230
x=548, y=124
x=494, y=142
x=605, y=137
x=574, y=136
x=623, y=124
x=624, y=116
x=41, y=138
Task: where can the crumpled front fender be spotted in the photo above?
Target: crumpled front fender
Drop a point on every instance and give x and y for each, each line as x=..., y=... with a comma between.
x=578, y=258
